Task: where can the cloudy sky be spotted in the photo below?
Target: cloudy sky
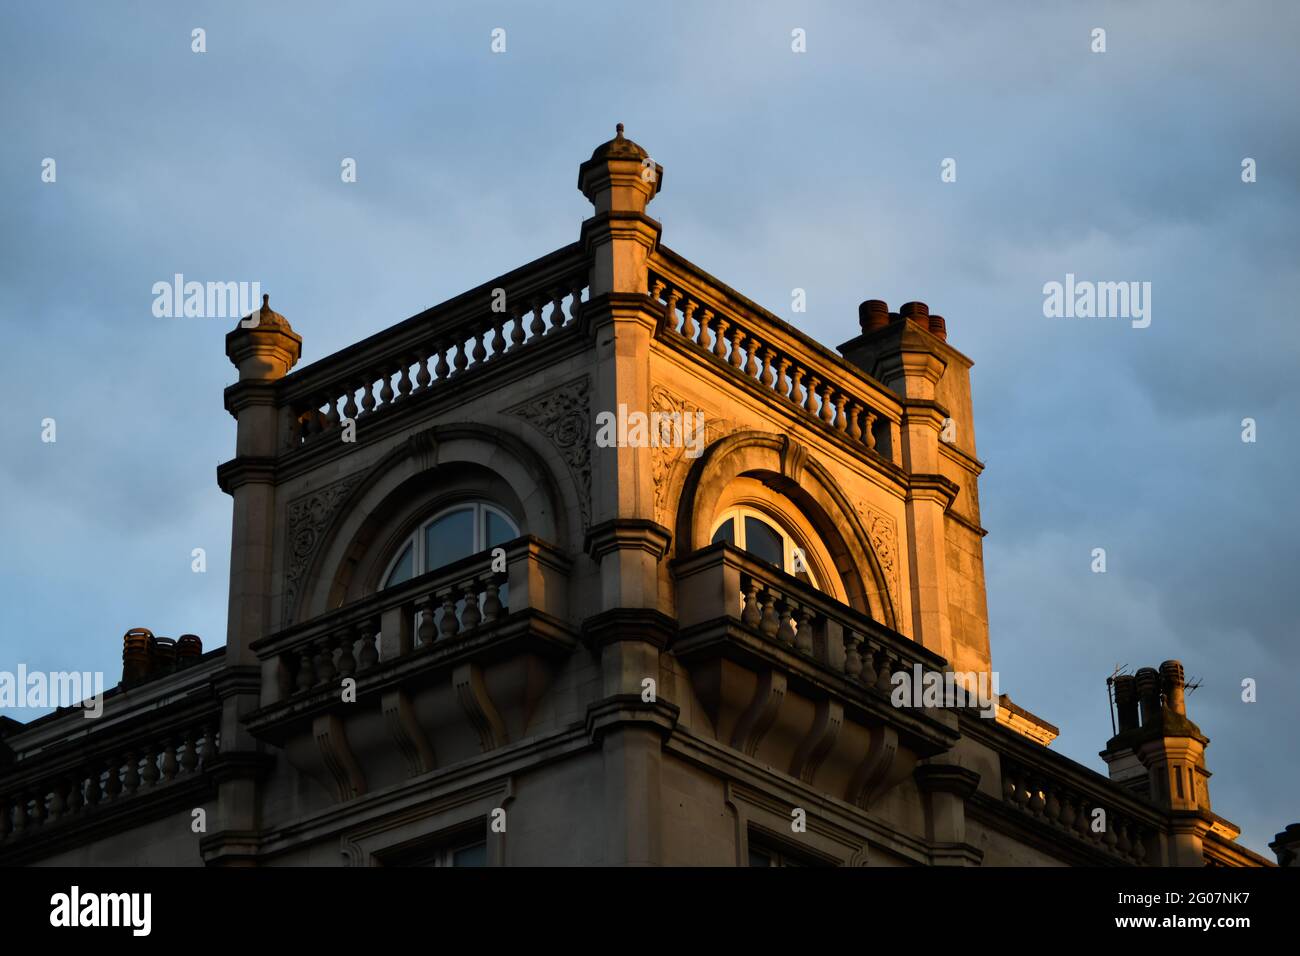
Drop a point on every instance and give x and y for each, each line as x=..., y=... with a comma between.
x=818, y=170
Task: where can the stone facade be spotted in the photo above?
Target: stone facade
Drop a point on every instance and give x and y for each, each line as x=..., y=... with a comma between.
x=610, y=687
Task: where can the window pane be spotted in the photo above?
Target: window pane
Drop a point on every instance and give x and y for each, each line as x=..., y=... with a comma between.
x=475, y=855
x=498, y=530
x=758, y=858
x=403, y=568
x=449, y=539
x=764, y=543
x=726, y=532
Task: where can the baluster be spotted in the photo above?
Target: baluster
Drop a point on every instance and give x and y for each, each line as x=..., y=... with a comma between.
x=150, y=775
x=657, y=290
x=367, y=397
x=809, y=403
x=20, y=814
x=1123, y=844
x=852, y=660
x=855, y=426
x=868, y=654
x=498, y=336
x=386, y=388
x=76, y=802
x=803, y=635
x=369, y=655
x=1052, y=809
x=720, y=338
x=426, y=631
x=885, y=672
x=770, y=624
x=479, y=355
x=782, y=379
x=751, y=616
x=796, y=382
x=422, y=376
x=5, y=827
x=306, y=670
x=1109, y=838
x=208, y=751
x=557, y=314
x=786, y=626
x=1139, y=846
x=442, y=370
x=1036, y=801
x=326, y=673
x=461, y=361
x=751, y=368
x=517, y=328
x=769, y=370
x=331, y=416
x=840, y=401
x=131, y=778
x=689, y=329
x=169, y=761
x=575, y=300
x=492, y=608
x=1066, y=818
x=470, y=616
x=737, y=336
x=448, y=626
x=538, y=328
x=869, y=433
x=404, y=385
x=347, y=665
x=58, y=799
x=189, y=753
x=350, y=406
x=113, y=782
x=671, y=312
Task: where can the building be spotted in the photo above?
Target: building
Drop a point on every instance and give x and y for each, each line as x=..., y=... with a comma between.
x=601, y=563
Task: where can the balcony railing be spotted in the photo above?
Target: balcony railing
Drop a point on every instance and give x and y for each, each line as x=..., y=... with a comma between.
x=425, y=353
x=723, y=583
x=92, y=778
x=820, y=385
x=436, y=612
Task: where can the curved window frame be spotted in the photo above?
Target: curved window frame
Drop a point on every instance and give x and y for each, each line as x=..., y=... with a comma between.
x=736, y=513
x=416, y=540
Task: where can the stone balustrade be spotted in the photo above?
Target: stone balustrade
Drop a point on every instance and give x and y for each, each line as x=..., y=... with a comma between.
x=106, y=774
x=723, y=582
x=1072, y=809
x=819, y=385
x=424, y=354
x=464, y=600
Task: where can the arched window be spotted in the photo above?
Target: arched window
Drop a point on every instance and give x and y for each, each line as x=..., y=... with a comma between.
x=453, y=533
x=763, y=538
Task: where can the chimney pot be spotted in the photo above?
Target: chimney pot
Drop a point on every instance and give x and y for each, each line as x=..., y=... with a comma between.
x=918, y=312
x=137, y=654
x=873, y=314
x=1126, y=702
x=1148, y=688
x=1171, y=674
x=938, y=327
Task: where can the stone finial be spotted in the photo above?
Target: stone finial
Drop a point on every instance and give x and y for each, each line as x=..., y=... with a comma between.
x=1286, y=846
x=264, y=345
x=620, y=176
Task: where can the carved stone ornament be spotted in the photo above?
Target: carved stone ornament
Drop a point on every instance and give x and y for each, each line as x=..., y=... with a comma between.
x=564, y=416
x=308, y=519
x=666, y=457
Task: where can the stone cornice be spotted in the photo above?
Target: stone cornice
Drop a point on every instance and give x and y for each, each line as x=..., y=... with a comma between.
x=245, y=470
